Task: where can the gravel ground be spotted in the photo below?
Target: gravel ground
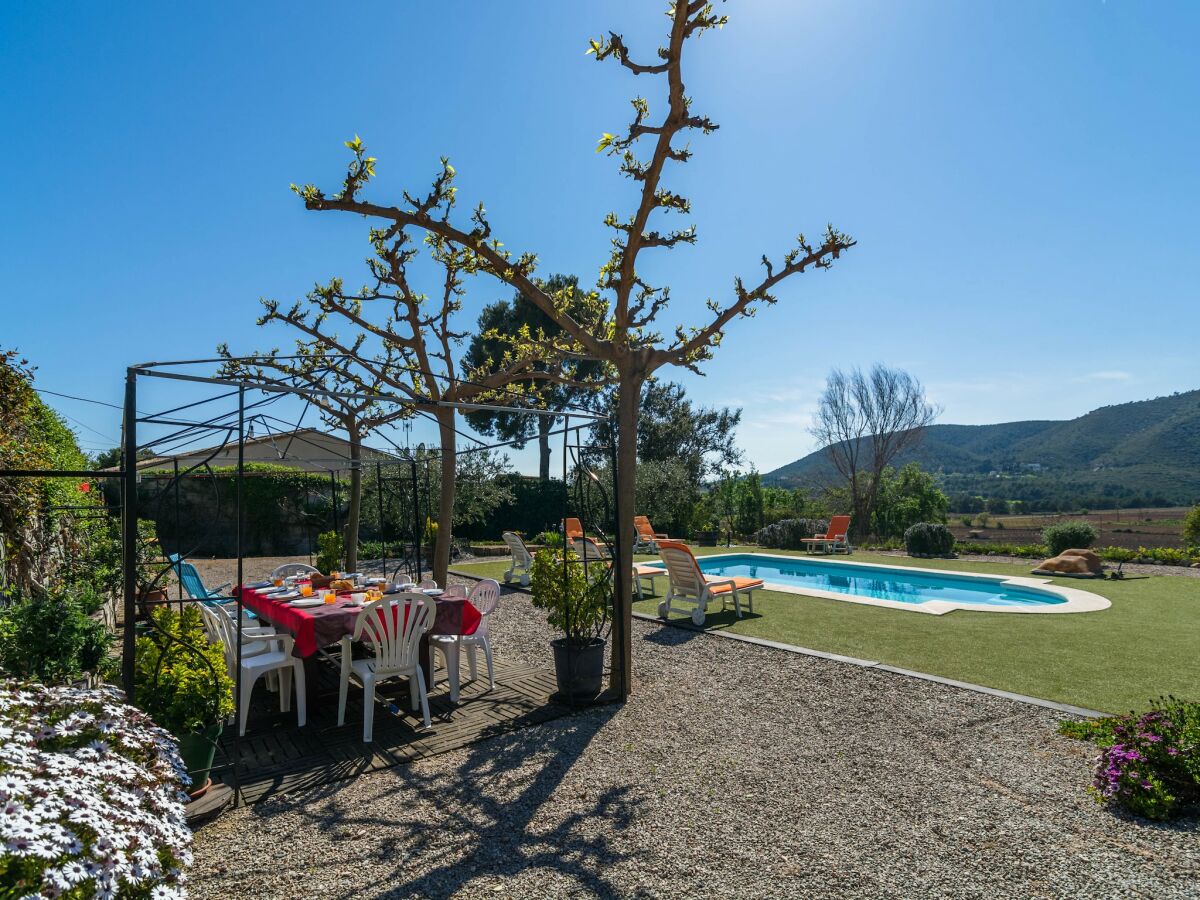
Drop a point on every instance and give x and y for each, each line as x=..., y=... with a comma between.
x=734, y=771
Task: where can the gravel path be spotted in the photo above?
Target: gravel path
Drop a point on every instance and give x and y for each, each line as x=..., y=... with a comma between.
x=734, y=771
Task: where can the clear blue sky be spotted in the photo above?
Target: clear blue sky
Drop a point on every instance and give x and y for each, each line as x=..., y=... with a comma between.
x=1022, y=178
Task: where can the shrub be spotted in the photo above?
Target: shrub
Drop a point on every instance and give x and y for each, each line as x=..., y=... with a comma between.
x=91, y=797
x=1191, y=528
x=1150, y=763
x=429, y=535
x=50, y=637
x=1069, y=535
x=180, y=678
x=549, y=539
x=331, y=550
x=928, y=539
x=788, y=534
x=578, y=607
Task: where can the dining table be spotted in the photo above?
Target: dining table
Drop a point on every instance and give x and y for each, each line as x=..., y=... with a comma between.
x=318, y=626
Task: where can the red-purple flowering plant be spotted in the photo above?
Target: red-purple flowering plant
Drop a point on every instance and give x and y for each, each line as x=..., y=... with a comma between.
x=1149, y=763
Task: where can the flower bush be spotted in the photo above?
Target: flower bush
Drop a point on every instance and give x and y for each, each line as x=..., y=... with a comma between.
x=1149, y=763
x=90, y=798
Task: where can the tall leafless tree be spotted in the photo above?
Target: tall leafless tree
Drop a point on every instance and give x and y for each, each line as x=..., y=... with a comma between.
x=866, y=420
x=625, y=339
x=405, y=343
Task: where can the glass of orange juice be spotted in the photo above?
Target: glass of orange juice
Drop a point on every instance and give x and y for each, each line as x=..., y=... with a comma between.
x=306, y=590
x=278, y=582
x=330, y=597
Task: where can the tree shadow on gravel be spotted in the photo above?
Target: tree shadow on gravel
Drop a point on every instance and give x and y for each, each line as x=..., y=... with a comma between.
x=482, y=824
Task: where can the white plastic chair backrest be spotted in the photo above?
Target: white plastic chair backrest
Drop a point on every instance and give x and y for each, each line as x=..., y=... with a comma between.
x=485, y=597
x=427, y=583
x=395, y=636
x=682, y=568
x=520, y=553
x=455, y=590
x=289, y=569
x=221, y=631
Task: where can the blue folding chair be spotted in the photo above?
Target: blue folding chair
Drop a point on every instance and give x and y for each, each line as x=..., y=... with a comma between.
x=194, y=585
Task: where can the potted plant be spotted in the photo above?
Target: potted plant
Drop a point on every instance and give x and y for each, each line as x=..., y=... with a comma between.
x=576, y=599
x=182, y=681
x=709, y=533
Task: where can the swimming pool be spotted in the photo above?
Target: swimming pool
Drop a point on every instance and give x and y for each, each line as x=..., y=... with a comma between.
x=901, y=587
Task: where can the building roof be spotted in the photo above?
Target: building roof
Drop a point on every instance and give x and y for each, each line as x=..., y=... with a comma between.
x=303, y=447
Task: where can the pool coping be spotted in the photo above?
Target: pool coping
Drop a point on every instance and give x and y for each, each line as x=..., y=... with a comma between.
x=1075, y=600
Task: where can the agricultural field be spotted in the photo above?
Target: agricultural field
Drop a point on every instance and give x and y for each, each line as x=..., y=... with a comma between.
x=1128, y=528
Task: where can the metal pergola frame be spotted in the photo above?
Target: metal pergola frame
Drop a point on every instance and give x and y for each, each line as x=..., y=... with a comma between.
x=129, y=474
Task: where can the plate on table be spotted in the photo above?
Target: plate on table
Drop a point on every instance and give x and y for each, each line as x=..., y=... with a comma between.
x=284, y=595
x=433, y=592
x=258, y=585
x=306, y=602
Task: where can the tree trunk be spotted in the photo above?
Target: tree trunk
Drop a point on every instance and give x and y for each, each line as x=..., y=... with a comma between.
x=628, y=403
x=354, y=513
x=545, y=424
x=445, y=535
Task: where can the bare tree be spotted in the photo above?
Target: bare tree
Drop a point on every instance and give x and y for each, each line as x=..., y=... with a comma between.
x=865, y=421
x=406, y=343
x=329, y=379
x=624, y=338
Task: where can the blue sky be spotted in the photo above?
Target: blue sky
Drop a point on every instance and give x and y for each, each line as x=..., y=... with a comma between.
x=1021, y=177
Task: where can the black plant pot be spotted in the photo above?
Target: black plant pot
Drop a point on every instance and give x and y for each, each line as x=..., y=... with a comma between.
x=579, y=670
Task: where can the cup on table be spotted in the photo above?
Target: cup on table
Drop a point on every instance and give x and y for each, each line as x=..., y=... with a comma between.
x=278, y=582
x=330, y=597
x=359, y=597
x=306, y=590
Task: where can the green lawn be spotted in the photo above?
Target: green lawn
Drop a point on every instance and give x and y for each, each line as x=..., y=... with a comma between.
x=1147, y=643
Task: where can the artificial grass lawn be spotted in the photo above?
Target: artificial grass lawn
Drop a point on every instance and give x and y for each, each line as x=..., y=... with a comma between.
x=1146, y=644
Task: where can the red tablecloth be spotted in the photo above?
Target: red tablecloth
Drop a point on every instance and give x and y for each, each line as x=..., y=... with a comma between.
x=320, y=626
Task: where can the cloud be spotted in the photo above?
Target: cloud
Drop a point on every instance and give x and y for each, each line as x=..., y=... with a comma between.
x=1106, y=375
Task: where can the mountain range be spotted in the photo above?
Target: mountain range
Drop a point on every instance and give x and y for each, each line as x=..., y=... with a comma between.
x=1146, y=450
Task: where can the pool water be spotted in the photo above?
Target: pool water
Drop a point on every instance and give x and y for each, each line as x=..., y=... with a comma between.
x=877, y=582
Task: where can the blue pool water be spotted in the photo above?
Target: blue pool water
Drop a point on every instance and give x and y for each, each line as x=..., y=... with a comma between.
x=876, y=582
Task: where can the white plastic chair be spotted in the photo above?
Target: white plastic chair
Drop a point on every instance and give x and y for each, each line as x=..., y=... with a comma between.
x=288, y=570
x=396, y=639
x=485, y=597
x=427, y=584
x=522, y=559
x=260, y=655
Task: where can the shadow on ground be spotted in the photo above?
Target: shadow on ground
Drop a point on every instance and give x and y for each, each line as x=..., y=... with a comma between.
x=485, y=827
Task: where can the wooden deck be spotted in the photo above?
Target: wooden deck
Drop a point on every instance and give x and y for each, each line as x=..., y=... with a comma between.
x=279, y=758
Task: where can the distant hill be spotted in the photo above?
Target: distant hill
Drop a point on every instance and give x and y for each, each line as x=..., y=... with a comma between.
x=1146, y=449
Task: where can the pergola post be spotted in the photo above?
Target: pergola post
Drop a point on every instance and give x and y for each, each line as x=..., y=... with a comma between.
x=129, y=528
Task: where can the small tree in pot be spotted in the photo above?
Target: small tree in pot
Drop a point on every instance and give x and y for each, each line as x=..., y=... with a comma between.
x=577, y=599
x=181, y=680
